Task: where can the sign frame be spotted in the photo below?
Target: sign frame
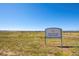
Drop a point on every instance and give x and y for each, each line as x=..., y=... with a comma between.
x=53, y=37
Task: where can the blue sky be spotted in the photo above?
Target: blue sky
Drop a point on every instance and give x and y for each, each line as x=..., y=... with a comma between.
x=39, y=16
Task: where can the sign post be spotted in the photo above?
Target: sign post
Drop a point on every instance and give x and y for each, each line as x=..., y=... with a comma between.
x=53, y=33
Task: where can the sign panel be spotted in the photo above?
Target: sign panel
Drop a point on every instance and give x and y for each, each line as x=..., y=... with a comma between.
x=53, y=33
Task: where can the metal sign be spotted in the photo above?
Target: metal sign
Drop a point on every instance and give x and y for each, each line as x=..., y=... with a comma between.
x=53, y=33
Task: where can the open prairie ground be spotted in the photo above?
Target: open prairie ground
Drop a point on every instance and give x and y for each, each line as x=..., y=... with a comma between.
x=33, y=43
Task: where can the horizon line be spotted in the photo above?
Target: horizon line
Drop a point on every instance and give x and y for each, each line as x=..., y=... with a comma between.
x=35, y=30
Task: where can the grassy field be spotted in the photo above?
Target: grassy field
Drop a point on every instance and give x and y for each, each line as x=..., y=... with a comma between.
x=28, y=43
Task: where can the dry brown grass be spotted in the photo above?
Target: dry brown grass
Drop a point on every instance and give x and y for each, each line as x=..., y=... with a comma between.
x=33, y=43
